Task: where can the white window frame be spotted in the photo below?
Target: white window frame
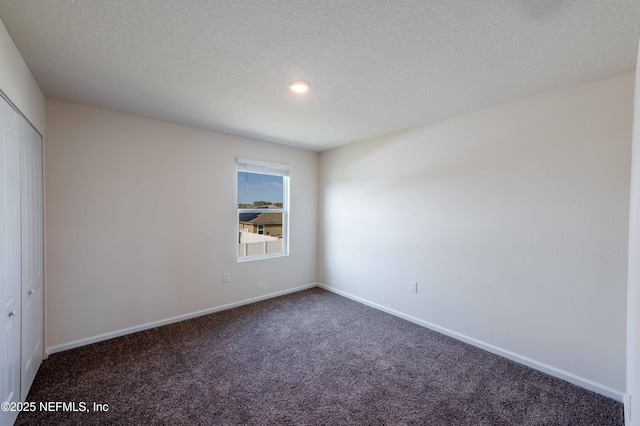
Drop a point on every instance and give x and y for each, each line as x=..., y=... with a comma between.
x=273, y=169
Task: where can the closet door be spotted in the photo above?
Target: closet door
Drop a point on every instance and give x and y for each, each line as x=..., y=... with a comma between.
x=32, y=254
x=10, y=286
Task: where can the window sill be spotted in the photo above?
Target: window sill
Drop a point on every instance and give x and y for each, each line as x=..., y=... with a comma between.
x=261, y=257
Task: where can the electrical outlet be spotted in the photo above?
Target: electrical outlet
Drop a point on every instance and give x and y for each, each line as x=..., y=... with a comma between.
x=225, y=277
x=413, y=286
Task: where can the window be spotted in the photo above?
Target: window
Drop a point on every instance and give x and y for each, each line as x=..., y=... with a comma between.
x=263, y=209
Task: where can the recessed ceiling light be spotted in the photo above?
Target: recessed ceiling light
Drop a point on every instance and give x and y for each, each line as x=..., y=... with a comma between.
x=299, y=86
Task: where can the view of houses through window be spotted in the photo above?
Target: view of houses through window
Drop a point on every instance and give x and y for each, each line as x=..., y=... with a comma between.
x=261, y=210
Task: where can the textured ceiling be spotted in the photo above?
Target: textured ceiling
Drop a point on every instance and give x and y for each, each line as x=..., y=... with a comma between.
x=374, y=66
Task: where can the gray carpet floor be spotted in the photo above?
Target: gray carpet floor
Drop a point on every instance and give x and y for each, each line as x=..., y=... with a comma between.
x=306, y=358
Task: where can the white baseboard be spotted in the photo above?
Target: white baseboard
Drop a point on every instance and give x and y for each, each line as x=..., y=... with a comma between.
x=106, y=336
x=552, y=371
x=627, y=409
x=548, y=369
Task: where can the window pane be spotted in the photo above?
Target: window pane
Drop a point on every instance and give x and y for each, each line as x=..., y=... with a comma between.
x=259, y=233
x=262, y=224
x=256, y=190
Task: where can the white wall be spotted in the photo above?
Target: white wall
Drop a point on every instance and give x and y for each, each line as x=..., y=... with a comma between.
x=633, y=290
x=513, y=220
x=142, y=221
x=17, y=82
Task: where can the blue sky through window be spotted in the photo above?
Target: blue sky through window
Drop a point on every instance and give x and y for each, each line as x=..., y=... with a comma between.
x=258, y=187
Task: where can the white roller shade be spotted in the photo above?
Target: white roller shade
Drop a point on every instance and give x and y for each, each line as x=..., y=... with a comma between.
x=255, y=166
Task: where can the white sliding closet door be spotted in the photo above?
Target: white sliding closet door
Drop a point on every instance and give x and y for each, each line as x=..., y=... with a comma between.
x=32, y=254
x=21, y=258
x=10, y=269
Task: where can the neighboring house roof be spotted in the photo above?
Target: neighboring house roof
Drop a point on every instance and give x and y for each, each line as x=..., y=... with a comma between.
x=248, y=217
x=261, y=218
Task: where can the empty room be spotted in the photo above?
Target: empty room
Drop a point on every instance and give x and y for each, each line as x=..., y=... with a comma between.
x=319, y=212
